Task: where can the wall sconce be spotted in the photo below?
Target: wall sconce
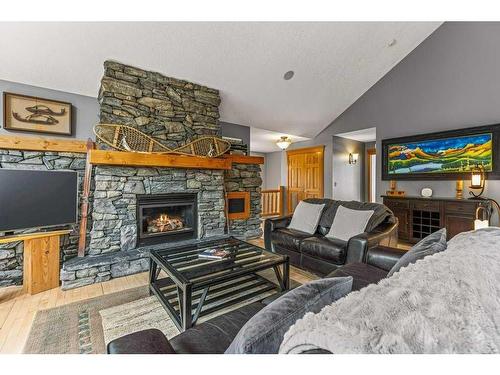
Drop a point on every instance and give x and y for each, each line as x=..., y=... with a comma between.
x=477, y=181
x=353, y=158
x=284, y=142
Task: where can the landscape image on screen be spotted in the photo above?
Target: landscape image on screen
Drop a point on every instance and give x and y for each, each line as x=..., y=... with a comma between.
x=448, y=155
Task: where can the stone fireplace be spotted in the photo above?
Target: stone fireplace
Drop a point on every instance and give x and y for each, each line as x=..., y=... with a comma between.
x=165, y=218
x=135, y=209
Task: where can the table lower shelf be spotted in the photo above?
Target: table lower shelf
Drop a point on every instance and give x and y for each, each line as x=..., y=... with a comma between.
x=227, y=295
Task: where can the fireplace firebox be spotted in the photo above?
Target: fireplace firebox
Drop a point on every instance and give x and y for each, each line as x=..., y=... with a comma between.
x=166, y=218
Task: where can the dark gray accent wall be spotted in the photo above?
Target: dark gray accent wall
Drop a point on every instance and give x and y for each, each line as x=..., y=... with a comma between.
x=450, y=81
x=85, y=108
x=236, y=131
x=348, y=179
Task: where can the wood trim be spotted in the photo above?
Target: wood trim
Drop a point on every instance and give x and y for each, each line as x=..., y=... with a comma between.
x=12, y=142
x=369, y=153
x=135, y=159
x=235, y=195
x=87, y=180
x=320, y=148
x=272, y=202
x=30, y=236
x=243, y=159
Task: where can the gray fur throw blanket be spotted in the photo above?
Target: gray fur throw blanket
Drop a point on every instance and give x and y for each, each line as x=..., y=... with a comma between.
x=445, y=303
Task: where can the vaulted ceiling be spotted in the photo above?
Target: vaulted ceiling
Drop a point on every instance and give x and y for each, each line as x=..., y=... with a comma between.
x=334, y=62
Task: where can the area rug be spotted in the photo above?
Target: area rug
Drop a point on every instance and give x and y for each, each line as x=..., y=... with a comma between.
x=86, y=327
x=76, y=328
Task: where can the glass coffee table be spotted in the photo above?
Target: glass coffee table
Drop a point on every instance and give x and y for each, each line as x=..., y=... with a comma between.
x=190, y=287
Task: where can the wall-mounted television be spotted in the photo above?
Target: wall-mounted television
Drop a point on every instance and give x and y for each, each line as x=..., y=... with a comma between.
x=443, y=155
x=37, y=199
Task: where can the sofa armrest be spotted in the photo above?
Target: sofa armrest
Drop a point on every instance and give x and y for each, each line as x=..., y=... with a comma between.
x=356, y=248
x=270, y=225
x=149, y=341
x=384, y=234
x=383, y=257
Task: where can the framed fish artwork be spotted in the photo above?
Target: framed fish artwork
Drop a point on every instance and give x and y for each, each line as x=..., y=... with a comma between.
x=36, y=115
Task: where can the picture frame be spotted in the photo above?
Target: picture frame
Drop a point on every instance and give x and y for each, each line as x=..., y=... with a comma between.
x=492, y=173
x=37, y=115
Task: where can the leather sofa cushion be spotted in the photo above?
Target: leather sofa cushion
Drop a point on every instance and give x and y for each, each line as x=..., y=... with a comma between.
x=215, y=335
x=330, y=249
x=149, y=341
x=363, y=274
x=288, y=238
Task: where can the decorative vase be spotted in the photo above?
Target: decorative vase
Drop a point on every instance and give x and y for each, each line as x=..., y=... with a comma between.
x=459, y=189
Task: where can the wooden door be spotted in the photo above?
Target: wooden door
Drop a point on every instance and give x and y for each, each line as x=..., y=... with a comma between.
x=305, y=175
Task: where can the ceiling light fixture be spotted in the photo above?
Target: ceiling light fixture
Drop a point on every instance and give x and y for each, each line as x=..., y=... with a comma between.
x=288, y=75
x=284, y=142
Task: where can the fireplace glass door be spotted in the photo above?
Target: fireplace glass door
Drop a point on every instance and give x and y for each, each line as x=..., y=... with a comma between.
x=166, y=218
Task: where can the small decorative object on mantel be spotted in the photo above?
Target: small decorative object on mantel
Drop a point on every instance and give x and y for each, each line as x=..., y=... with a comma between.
x=426, y=192
x=126, y=138
x=37, y=115
x=237, y=146
x=460, y=189
x=393, y=192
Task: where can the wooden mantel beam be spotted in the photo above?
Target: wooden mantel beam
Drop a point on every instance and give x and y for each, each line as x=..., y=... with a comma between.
x=13, y=142
x=135, y=159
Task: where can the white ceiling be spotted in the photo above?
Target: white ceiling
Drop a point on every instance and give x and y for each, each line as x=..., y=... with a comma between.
x=262, y=140
x=363, y=135
x=334, y=62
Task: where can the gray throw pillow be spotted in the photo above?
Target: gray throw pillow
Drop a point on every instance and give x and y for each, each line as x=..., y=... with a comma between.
x=349, y=223
x=264, y=332
x=432, y=244
x=306, y=217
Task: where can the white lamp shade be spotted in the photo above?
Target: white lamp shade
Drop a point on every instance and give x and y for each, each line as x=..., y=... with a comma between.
x=478, y=224
x=476, y=180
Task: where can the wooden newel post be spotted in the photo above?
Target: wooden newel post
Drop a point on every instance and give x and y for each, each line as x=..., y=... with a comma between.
x=85, y=200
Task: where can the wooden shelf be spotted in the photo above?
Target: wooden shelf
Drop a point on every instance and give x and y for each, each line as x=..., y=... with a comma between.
x=243, y=159
x=135, y=159
x=11, y=142
x=31, y=236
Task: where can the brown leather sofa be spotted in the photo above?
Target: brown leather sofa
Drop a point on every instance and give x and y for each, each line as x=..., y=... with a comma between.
x=215, y=335
x=323, y=255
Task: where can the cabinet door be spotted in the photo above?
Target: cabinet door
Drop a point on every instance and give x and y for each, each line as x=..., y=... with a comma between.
x=458, y=223
x=403, y=218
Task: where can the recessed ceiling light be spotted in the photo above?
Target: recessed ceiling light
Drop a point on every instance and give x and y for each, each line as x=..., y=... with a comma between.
x=392, y=43
x=288, y=75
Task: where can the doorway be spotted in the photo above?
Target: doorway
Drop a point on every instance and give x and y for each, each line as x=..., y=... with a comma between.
x=371, y=154
x=305, y=175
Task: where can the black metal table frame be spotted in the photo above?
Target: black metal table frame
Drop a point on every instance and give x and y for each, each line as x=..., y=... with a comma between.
x=185, y=319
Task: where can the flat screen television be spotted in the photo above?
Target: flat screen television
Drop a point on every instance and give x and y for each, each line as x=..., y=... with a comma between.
x=37, y=199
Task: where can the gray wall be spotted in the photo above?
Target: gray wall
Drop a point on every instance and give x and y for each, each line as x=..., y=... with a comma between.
x=450, y=81
x=85, y=108
x=348, y=179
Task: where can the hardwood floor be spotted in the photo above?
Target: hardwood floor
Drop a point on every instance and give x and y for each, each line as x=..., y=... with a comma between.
x=17, y=309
